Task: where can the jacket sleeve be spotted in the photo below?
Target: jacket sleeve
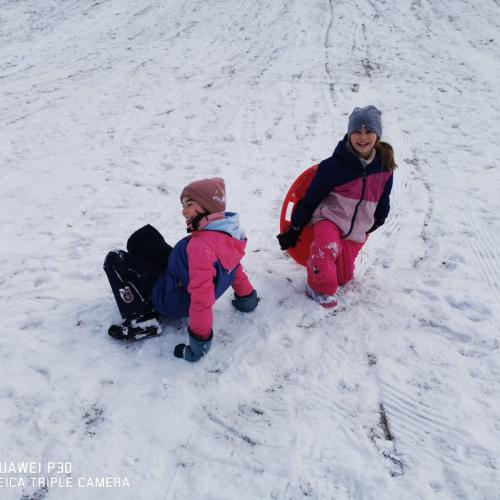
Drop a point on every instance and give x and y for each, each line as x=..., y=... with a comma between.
x=202, y=272
x=320, y=186
x=383, y=206
x=241, y=284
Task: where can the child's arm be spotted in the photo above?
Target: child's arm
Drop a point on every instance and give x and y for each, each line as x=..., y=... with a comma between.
x=383, y=206
x=241, y=284
x=202, y=272
x=245, y=299
x=321, y=185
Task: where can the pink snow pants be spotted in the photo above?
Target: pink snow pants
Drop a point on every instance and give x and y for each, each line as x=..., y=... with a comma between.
x=331, y=259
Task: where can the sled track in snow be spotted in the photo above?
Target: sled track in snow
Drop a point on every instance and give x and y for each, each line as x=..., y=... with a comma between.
x=291, y=407
x=418, y=425
x=472, y=235
x=428, y=432
x=327, y=46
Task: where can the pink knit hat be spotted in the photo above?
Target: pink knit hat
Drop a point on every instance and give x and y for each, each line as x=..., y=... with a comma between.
x=209, y=193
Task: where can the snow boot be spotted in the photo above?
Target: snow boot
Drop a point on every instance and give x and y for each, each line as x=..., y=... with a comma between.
x=136, y=329
x=326, y=301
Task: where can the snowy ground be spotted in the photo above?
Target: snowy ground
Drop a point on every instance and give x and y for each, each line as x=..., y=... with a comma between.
x=108, y=108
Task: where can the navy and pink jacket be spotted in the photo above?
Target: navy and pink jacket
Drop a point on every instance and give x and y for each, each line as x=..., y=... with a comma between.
x=201, y=267
x=352, y=195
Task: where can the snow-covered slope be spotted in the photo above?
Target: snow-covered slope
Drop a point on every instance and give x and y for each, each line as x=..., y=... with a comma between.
x=108, y=108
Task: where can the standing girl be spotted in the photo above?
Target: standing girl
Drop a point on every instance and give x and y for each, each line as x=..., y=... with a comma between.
x=153, y=279
x=347, y=199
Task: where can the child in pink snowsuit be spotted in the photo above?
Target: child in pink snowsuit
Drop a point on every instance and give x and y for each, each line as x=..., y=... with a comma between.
x=347, y=199
x=152, y=280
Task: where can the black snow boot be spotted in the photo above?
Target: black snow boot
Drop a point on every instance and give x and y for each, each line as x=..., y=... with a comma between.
x=136, y=329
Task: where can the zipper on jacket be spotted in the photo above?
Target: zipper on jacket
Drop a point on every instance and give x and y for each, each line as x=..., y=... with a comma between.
x=353, y=220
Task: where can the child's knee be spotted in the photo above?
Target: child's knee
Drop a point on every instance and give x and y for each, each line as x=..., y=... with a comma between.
x=324, y=253
x=114, y=258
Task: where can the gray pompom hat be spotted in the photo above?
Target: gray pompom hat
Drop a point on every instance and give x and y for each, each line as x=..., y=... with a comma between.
x=369, y=118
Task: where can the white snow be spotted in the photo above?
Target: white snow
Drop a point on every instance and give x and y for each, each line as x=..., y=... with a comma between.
x=109, y=108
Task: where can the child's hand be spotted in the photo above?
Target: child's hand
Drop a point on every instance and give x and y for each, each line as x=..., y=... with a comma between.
x=196, y=349
x=246, y=303
x=290, y=238
x=179, y=351
x=375, y=226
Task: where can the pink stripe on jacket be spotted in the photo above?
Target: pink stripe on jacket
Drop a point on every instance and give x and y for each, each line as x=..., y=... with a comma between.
x=340, y=204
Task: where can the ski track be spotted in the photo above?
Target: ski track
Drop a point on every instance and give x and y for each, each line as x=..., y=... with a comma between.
x=111, y=107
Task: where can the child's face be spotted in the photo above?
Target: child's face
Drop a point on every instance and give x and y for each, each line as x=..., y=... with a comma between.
x=190, y=209
x=363, y=142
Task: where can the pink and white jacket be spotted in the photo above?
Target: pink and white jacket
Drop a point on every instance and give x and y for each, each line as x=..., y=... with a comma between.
x=352, y=194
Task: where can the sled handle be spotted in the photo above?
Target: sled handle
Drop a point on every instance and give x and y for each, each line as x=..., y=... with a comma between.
x=294, y=195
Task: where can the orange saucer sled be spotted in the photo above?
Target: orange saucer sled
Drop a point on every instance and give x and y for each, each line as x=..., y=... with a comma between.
x=300, y=252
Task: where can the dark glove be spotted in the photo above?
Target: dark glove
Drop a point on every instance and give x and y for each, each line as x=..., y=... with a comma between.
x=196, y=349
x=179, y=351
x=375, y=226
x=290, y=238
x=246, y=303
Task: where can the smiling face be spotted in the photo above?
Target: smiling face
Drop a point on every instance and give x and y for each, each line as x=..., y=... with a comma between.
x=363, y=141
x=190, y=209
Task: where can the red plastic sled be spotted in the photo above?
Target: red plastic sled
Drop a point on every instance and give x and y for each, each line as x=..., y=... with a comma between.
x=300, y=252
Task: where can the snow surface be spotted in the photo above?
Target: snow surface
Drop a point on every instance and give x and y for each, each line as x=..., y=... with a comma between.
x=109, y=107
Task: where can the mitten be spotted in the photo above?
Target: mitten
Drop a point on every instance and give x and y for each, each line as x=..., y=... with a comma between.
x=196, y=349
x=247, y=303
x=179, y=351
x=290, y=238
